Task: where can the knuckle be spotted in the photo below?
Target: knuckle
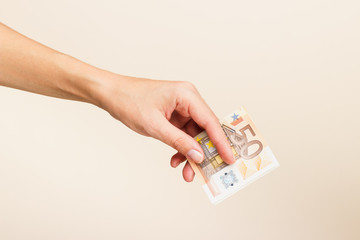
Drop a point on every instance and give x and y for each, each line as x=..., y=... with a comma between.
x=179, y=143
x=150, y=130
x=207, y=123
x=185, y=90
x=187, y=85
x=150, y=126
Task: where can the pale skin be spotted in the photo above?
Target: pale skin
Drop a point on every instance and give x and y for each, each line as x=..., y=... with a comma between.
x=170, y=111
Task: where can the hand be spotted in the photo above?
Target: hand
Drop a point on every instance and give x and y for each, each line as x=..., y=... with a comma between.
x=172, y=112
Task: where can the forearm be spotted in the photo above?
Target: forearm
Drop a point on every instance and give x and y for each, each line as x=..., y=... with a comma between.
x=30, y=66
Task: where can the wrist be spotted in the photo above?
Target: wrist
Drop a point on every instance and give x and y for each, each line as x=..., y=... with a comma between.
x=82, y=81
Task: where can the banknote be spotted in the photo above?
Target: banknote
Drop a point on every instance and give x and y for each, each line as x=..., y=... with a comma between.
x=254, y=158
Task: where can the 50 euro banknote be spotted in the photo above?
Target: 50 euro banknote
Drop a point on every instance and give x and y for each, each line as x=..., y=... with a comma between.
x=254, y=158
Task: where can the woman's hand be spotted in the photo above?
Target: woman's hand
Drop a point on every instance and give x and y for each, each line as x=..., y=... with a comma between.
x=172, y=112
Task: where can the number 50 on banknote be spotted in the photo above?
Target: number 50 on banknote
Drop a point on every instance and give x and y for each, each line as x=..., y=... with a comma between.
x=254, y=158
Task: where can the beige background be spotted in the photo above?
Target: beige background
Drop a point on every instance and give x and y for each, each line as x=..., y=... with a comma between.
x=70, y=171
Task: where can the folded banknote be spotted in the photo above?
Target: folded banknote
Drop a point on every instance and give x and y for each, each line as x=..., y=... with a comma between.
x=254, y=158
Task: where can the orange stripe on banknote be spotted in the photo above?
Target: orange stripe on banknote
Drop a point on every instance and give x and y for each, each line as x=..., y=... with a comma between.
x=237, y=121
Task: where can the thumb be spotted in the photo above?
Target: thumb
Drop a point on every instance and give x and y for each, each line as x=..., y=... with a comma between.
x=176, y=138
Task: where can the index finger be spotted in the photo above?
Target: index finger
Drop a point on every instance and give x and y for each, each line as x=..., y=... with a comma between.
x=202, y=114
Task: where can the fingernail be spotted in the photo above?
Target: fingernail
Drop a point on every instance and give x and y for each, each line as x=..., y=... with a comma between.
x=195, y=156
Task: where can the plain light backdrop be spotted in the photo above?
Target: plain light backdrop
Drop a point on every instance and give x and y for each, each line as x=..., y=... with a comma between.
x=70, y=171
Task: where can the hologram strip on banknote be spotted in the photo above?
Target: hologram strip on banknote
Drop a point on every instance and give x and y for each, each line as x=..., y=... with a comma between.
x=254, y=158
